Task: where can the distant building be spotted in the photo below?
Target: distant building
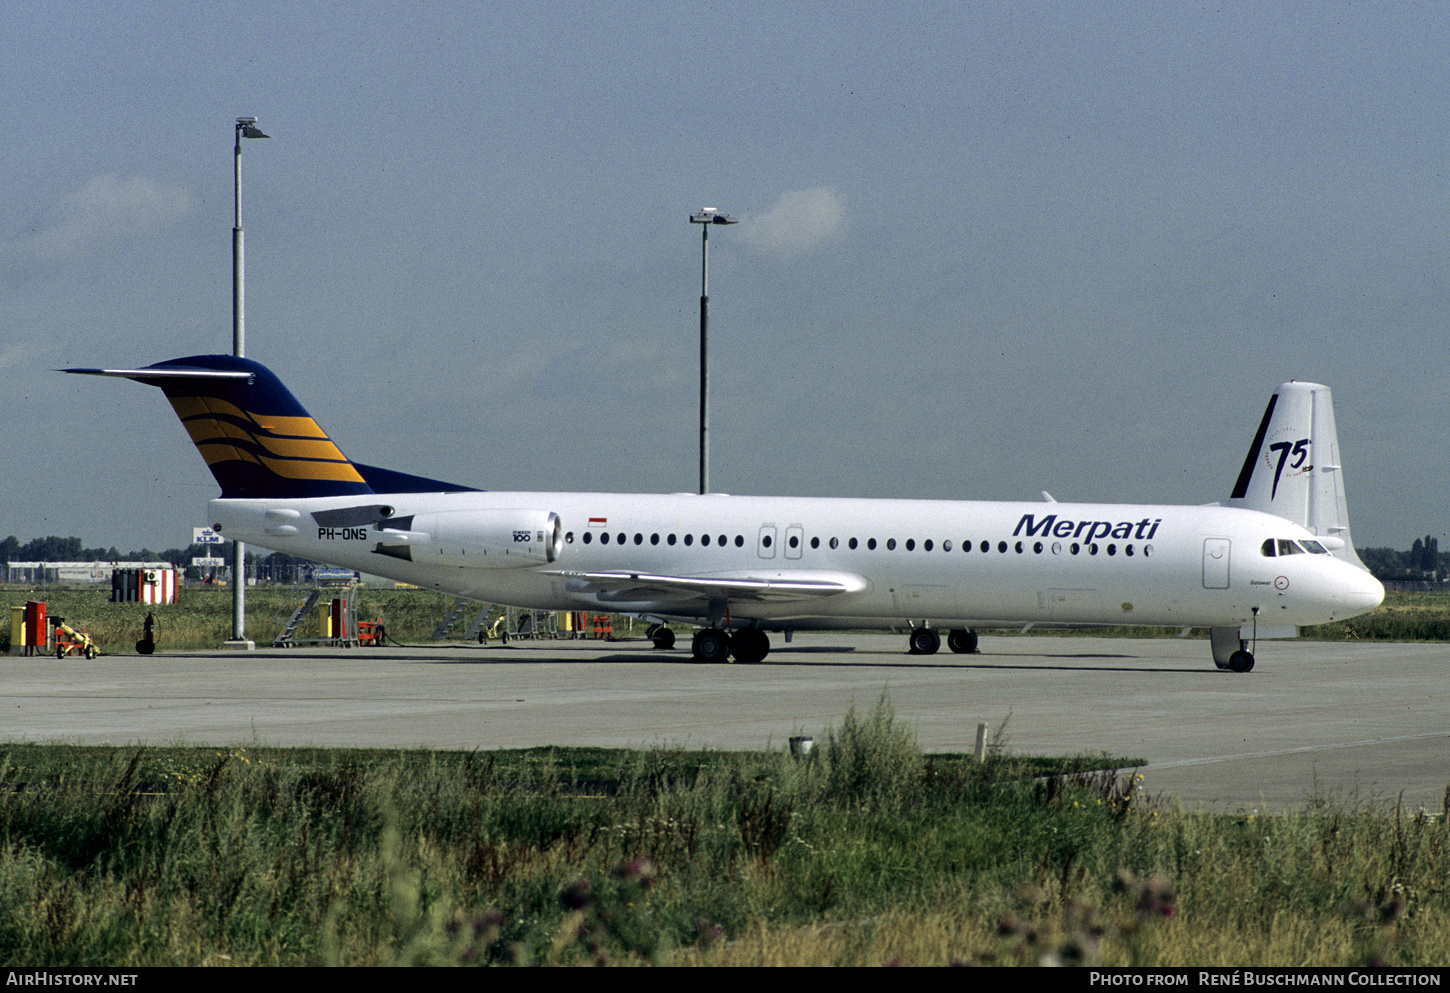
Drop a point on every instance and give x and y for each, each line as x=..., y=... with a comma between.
x=71, y=573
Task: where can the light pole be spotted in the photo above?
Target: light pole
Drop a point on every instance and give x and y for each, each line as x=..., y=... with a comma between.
x=706, y=217
x=246, y=128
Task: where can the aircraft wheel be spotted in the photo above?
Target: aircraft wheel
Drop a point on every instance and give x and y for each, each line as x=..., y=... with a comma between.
x=962, y=642
x=662, y=637
x=924, y=641
x=750, y=645
x=1241, y=661
x=712, y=645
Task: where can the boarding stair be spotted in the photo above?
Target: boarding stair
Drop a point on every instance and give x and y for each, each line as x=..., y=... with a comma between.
x=460, y=604
x=284, y=640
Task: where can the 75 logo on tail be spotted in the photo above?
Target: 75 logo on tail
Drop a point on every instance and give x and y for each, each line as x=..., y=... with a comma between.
x=1298, y=449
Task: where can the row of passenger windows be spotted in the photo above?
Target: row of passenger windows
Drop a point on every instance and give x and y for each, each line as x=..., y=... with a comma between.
x=871, y=544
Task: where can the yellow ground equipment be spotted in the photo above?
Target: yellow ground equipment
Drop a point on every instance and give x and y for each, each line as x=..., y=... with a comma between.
x=69, y=641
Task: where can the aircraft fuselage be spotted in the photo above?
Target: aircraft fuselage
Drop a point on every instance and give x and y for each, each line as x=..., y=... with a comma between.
x=895, y=562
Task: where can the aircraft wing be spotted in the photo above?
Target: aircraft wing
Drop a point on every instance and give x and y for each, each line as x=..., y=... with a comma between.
x=634, y=587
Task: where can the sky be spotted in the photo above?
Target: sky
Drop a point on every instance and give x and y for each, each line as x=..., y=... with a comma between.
x=984, y=250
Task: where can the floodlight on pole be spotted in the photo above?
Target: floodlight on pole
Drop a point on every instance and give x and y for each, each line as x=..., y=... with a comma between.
x=706, y=217
x=246, y=128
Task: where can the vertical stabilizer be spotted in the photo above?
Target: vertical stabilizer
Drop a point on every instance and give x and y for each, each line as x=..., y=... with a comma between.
x=256, y=438
x=1293, y=469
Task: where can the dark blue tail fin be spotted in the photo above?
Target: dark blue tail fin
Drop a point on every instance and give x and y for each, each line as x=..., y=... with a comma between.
x=257, y=439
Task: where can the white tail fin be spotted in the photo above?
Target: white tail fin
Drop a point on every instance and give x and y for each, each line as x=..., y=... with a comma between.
x=1293, y=470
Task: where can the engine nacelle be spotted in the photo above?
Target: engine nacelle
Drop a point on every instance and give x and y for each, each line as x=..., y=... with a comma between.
x=508, y=538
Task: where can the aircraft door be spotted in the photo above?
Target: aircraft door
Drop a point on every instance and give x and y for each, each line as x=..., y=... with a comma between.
x=1215, y=563
x=795, y=539
x=766, y=545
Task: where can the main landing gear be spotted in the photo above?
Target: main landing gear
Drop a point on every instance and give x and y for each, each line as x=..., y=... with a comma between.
x=926, y=641
x=748, y=645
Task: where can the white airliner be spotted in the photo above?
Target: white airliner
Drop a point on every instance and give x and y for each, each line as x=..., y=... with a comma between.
x=1277, y=555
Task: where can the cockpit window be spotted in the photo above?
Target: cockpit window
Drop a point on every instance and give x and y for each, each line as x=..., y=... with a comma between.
x=1284, y=546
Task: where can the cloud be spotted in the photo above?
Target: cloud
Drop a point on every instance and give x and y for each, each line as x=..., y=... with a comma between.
x=105, y=209
x=801, y=221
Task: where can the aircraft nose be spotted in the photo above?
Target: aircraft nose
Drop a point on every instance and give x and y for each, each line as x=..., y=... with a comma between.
x=1357, y=591
x=1368, y=593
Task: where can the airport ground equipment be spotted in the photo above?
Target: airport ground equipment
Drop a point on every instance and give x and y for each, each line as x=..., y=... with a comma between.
x=460, y=606
x=371, y=633
x=147, y=644
x=143, y=585
x=29, y=634
x=336, y=615
x=69, y=641
x=289, y=630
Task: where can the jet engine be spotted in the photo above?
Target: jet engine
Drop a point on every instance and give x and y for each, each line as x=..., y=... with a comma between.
x=507, y=538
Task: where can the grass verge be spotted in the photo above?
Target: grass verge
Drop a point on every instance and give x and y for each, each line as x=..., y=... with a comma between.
x=866, y=852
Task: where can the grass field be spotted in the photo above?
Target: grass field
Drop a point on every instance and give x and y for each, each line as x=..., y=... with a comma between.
x=202, y=618
x=865, y=853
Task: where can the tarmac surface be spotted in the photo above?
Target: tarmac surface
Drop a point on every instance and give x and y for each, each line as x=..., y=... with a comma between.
x=1347, y=723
